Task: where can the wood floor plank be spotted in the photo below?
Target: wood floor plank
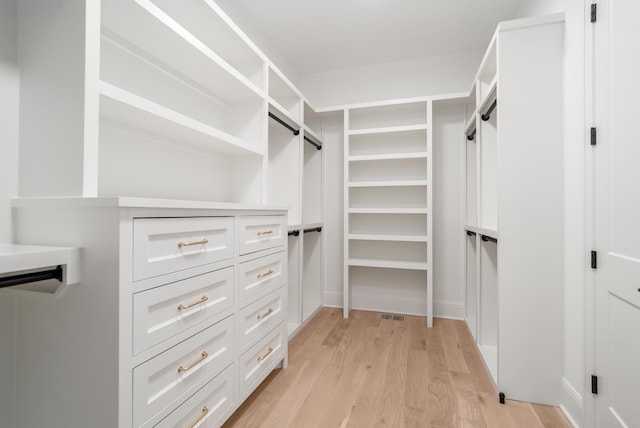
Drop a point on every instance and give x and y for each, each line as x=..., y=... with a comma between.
x=550, y=417
x=367, y=372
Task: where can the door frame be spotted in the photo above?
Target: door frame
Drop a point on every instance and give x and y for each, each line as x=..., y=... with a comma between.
x=589, y=399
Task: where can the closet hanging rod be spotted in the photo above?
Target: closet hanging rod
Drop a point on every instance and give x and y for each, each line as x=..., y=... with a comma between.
x=313, y=229
x=470, y=233
x=472, y=136
x=26, y=278
x=285, y=124
x=317, y=146
x=487, y=115
x=486, y=238
x=294, y=233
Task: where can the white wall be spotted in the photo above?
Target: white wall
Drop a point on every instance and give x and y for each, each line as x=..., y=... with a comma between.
x=403, y=79
x=9, y=82
x=574, y=382
x=333, y=234
x=8, y=114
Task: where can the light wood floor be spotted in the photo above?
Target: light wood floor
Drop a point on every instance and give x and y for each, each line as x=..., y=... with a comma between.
x=366, y=372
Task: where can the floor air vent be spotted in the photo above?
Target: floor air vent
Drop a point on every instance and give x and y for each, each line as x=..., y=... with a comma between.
x=391, y=317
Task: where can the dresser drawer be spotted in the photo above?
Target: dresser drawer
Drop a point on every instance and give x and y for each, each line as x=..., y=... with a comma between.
x=163, y=312
x=261, y=275
x=163, y=245
x=181, y=370
x=257, y=233
x=209, y=407
x=260, y=359
x=258, y=318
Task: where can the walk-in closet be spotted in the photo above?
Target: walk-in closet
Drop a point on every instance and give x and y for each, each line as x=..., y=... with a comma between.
x=238, y=213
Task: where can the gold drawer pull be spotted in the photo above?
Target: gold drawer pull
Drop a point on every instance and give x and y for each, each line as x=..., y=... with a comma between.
x=190, y=366
x=263, y=274
x=205, y=410
x=260, y=316
x=202, y=300
x=265, y=232
x=262, y=357
x=188, y=244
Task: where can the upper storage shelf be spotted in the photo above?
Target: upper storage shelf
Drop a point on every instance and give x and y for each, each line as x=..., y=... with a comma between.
x=283, y=96
x=194, y=42
x=145, y=117
x=391, y=117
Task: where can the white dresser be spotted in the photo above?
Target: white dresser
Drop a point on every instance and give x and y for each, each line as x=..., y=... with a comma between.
x=179, y=315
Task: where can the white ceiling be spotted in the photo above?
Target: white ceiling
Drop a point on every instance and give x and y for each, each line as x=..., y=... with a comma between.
x=321, y=35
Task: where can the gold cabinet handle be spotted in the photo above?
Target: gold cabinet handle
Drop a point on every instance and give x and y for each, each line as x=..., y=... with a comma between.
x=265, y=232
x=205, y=410
x=262, y=357
x=260, y=316
x=263, y=274
x=188, y=244
x=190, y=366
x=202, y=300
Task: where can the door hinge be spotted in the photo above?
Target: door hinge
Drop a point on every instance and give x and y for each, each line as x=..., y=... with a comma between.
x=594, y=12
x=594, y=136
x=594, y=384
x=594, y=259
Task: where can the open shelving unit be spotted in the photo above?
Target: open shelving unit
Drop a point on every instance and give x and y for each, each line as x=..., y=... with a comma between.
x=387, y=208
x=513, y=281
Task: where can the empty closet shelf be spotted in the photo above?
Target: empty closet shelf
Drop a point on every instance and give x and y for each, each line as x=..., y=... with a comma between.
x=388, y=183
x=388, y=211
x=389, y=264
x=387, y=237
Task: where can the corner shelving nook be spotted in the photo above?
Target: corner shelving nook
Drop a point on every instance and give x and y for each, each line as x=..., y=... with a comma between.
x=387, y=214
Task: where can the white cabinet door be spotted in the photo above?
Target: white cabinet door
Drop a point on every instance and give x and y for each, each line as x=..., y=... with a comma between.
x=617, y=210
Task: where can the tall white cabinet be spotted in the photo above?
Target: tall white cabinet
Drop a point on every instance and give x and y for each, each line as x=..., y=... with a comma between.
x=513, y=157
x=152, y=108
x=387, y=223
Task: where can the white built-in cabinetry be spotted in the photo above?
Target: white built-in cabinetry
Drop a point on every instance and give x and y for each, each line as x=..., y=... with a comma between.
x=159, y=99
x=180, y=314
x=387, y=222
x=170, y=101
x=513, y=158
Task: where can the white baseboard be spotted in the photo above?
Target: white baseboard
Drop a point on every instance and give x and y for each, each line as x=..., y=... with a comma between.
x=448, y=309
x=441, y=309
x=333, y=299
x=388, y=304
x=572, y=404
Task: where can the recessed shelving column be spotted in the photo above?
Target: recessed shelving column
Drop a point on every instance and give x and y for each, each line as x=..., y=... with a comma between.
x=387, y=213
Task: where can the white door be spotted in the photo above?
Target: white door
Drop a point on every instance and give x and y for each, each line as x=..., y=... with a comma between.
x=617, y=213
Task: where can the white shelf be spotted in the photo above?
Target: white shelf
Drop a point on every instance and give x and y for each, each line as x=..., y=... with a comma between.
x=206, y=21
x=277, y=109
x=489, y=96
x=389, y=264
x=393, y=183
x=175, y=47
x=359, y=158
x=140, y=114
x=492, y=233
x=20, y=258
x=311, y=225
x=387, y=130
x=388, y=211
x=308, y=132
x=387, y=237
